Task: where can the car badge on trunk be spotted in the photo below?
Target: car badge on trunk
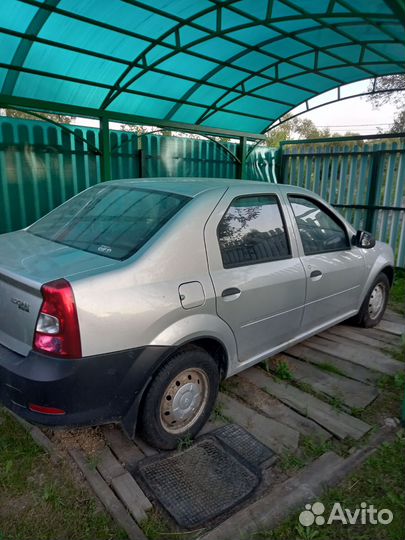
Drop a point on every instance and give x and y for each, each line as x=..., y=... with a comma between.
x=21, y=304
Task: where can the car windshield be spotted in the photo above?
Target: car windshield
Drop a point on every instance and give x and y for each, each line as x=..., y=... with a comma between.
x=113, y=221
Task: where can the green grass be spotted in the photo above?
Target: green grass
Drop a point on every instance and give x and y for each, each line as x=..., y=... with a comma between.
x=156, y=527
x=397, y=293
x=282, y=370
x=228, y=385
x=392, y=382
x=325, y=366
x=290, y=462
x=41, y=500
x=336, y=402
x=218, y=414
x=309, y=449
x=379, y=482
x=313, y=449
x=185, y=442
x=398, y=352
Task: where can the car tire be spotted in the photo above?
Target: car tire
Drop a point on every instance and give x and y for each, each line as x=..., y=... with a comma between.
x=374, y=304
x=180, y=398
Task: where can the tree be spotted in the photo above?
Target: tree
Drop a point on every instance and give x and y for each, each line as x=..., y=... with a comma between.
x=299, y=128
x=397, y=98
x=60, y=119
x=284, y=132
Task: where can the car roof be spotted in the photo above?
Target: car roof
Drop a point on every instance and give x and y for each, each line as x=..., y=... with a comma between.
x=191, y=187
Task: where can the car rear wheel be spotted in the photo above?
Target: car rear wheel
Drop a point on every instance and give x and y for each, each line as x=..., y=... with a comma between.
x=180, y=399
x=374, y=304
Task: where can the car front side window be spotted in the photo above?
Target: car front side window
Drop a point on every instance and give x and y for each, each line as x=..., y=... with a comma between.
x=252, y=231
x=320, y=231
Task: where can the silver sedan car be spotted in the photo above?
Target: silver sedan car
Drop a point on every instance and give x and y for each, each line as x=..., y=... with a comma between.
x=131, y=301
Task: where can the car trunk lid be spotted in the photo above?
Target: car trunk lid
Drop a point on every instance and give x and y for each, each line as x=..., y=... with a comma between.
x=26, y=263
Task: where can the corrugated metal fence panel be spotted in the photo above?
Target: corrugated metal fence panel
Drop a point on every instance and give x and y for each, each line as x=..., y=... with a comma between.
x=261, y=164
x=42, y=165
x=181, y=156
x=390, y=224
x=124, y=155
x=352, y=177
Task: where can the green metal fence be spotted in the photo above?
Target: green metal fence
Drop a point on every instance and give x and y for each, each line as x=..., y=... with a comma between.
x=366, y=182
x=42, y=165
x=181, y=156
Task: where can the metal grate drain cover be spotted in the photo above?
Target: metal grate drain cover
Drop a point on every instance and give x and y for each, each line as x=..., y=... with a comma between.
x=200, y=483
x=244, y=444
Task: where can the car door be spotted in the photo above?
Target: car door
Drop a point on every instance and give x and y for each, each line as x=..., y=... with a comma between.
x=257, y=275
x=334, y=268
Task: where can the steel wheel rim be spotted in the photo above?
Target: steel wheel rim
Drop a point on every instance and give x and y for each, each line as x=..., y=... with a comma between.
x=376, y=301
x=184, y=400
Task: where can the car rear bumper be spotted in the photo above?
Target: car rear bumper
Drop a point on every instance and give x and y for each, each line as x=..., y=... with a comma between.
x=90, y=391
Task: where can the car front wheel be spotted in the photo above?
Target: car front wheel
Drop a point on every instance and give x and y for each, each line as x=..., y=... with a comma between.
x=180, y=399
x=375, y=302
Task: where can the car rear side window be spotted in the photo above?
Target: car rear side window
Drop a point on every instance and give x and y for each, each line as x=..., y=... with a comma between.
x=320, y=231
x=252, y=231
x=113, y=221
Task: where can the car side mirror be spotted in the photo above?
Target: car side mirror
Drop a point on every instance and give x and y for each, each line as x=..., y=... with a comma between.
x=363, y=239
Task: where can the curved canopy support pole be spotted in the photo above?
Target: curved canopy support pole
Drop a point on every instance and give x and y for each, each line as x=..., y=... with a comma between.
x=105, y=148
x=92, y=148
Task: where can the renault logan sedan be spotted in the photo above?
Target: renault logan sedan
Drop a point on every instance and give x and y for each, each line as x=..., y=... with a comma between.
x=131, y=301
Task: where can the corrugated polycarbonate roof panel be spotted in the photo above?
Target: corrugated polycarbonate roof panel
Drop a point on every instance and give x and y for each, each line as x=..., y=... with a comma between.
x=233, y=64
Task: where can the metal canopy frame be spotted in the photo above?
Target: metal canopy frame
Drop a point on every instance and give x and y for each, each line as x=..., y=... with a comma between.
x=279, y=18
x=339, y=97
x=258, y=95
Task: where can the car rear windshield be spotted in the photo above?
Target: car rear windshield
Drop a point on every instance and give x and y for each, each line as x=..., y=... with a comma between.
x=113, y=221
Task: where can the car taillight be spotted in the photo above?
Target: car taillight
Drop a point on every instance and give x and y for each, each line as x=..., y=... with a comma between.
x=57, y=331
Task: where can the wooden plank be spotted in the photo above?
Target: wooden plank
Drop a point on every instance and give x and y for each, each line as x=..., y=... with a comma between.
x=146, y=449
x=211, y=425
x=108, y=466
x=391, y=327
x=272, y=508
x=132, y=496
x=377, y=361
x=380, y=335
x=352, y=335
x=339, y=423
x=273, y=408
x=393, y=316
x=275, y=435
x=352, y=393
x=107, y=497
x=123, y=448
x=345, y=367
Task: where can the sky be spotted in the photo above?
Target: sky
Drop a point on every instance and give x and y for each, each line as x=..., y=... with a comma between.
x=355, y=114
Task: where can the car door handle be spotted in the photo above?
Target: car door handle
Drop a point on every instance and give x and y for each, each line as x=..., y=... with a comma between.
x=232, y=291
x=315, y=273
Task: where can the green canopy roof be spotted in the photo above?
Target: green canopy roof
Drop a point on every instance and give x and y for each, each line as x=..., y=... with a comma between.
x=235, y=65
